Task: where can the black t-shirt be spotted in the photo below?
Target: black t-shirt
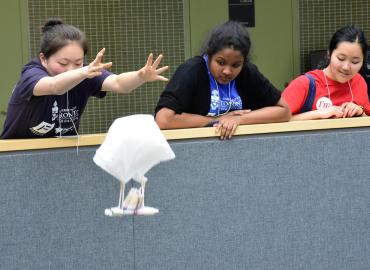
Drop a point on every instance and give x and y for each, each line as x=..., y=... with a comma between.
x=189, y=89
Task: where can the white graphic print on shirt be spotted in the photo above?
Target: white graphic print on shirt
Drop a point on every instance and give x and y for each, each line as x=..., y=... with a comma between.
x=42, y=128
x=61, y=119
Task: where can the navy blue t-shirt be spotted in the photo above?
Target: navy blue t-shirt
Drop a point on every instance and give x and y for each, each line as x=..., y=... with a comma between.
x=30, y=116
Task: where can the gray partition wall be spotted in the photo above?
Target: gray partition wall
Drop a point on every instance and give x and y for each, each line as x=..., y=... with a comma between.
x=276, y=201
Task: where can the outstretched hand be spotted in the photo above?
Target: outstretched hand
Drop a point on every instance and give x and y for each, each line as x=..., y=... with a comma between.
x=96, y=67
x=150, y=73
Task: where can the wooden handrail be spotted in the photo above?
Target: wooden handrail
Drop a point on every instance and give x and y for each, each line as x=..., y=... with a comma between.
x=190, y=133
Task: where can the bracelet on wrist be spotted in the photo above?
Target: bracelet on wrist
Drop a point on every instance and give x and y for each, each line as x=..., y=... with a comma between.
x=210, y=124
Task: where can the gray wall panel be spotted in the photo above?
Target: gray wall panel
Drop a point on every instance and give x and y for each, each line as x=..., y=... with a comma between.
x=291, y=201
x=281, y=201
x=52, y=214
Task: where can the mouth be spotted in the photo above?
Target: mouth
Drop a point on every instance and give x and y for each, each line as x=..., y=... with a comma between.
x=224, y=80
x=345, y=74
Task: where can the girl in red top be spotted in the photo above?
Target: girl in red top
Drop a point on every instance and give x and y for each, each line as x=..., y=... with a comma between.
x=340, y=91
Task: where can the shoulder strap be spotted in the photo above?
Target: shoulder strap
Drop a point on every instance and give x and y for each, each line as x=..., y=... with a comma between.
x=308, y=104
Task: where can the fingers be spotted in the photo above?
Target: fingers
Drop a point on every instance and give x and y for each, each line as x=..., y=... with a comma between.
x=106, y=65
x=338, y=115
x=354, y=110
x=337, y=112
x=150, y=73
x=162, y=78
x=149, y=61
x=96, y=70
x=100, y=67
x=233, y=130
x=162, y=69
x=157, y=61
x=346, y=112
x=350, y=109
x=226, y=129
x=344, y=105
x=95, y=67
x=101, y=53
x=98, y=57
x=360, y=110
x=345, y=109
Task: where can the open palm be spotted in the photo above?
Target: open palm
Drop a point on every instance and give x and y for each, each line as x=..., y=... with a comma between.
x=150, y=72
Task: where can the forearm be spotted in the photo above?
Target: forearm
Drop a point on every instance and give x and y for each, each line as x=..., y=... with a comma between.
x=330, y=112
x=168, y=119
x=124, y=82
x=128, y=81
x=266, y=115
x=311, y=115
x=61, y=83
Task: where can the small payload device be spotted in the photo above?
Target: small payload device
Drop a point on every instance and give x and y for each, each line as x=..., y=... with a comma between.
x=132, y=146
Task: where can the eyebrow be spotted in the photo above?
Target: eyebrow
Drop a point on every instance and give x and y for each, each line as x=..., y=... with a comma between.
x=223, y=59
x=345, y=55
x=69, y=60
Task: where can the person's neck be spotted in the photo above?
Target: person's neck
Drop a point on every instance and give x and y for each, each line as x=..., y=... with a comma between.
x=328, y=73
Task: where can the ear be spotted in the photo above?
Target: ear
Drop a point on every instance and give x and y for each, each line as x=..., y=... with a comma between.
x=43, y=60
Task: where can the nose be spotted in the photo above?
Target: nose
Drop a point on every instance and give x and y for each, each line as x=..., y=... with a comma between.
x=226, y=70
x=346, y=65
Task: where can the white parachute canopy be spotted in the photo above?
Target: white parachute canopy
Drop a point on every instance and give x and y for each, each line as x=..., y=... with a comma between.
x=133, y=145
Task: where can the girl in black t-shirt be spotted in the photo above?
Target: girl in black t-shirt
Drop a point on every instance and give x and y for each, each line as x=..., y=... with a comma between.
x=220, y=88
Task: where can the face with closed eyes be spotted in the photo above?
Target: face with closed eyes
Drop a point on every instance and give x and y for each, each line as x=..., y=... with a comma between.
x=226, y=64
x=345, y=61
x=67, y=58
